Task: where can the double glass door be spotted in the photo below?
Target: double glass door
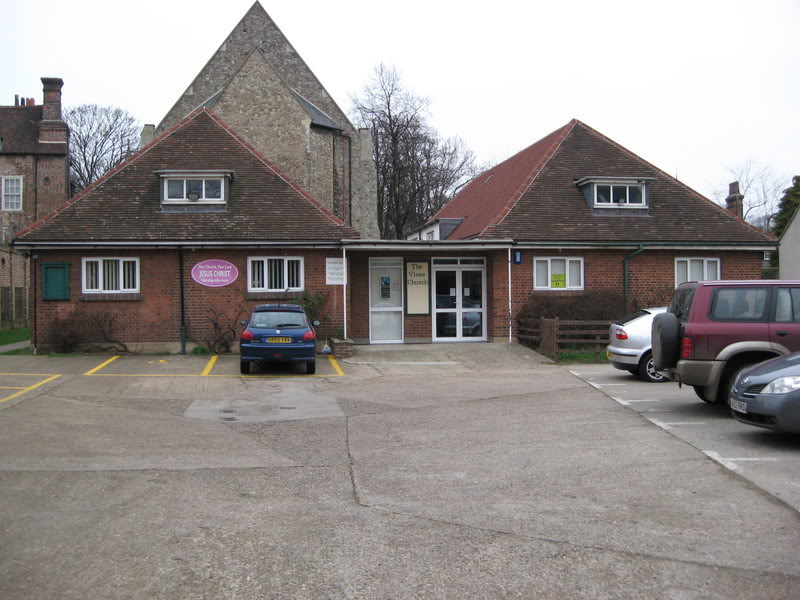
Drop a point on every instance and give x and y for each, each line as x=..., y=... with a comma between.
x=459, y=300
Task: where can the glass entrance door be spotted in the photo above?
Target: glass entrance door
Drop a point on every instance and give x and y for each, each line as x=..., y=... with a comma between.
x=386, y=300
x=459, y=306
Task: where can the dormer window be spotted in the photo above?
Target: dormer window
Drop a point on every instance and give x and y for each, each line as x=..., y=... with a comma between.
x=199, y=187
x=606, y=194
x=615, y=192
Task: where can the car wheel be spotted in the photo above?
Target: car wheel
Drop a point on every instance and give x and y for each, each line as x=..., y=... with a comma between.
x=665, y=333
x=311, y=367
x=647, y=369
x=700, y=392
x=728, y=379
x=244, y=367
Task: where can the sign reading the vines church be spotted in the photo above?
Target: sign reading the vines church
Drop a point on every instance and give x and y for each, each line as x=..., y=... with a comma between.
x=215, y=273
x=418, y=287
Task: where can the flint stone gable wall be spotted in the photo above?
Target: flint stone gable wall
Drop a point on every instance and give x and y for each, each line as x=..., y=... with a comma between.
x=326, y=173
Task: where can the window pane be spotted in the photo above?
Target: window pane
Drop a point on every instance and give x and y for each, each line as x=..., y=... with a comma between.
x=681, y=273
x=558, y=273
x=175, y=188
x=635, y=194
x=194, y=188
x=111, y=275
x=257, y=274
x=603, y=194
x=129, y=274
x=696, y=269
x=748, y=304
x=213, y=188
x=783, y=310
x=12, y=193
x=275, y=271
x=574, y=273
x=712, y=270
x=796, y=305
x=540, y=275
x=92, y=275
x=293, y=275
x=620, y=194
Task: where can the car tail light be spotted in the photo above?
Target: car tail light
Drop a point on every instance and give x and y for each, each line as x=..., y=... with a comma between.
x=687, y=347
x=309, y=335
x=247, y=335
x=620, y=334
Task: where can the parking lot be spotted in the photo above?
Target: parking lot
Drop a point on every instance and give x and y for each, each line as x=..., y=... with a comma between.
x=475, y=470
x=768, y=459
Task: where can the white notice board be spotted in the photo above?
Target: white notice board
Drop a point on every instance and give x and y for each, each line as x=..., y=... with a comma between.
x=334, y=271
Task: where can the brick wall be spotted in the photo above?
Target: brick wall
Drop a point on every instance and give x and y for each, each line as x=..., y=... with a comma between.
x=151, y=319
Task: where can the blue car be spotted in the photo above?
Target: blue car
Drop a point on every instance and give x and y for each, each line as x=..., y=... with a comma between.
x=278, y=333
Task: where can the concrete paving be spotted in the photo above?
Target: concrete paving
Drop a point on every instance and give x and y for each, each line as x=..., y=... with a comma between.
x=458, y=471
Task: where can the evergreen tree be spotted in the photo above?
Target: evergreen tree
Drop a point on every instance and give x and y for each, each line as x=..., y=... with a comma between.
x=787, y=206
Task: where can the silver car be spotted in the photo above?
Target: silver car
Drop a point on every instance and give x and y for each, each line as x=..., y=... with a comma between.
x=629, y=347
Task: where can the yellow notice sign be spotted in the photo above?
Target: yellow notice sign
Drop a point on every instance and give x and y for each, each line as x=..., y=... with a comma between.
x=558, y=281
x=418, y=293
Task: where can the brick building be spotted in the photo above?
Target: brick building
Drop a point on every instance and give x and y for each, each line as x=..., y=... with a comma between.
x=258, y=83
x=574, y=212
x=34, y=179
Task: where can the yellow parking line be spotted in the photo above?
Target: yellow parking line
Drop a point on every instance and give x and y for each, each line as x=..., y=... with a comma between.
x=11, y=387
x=209, y=365
x=335, y=365
x=30, y=374
x=28, y=389
x=102, y=365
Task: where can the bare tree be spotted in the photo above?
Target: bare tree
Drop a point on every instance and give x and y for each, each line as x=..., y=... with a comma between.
x=417, y=170
x=101, y=137
x=762, y=190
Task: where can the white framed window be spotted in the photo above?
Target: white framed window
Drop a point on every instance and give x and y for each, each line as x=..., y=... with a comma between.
x=110, y=275
x=194, y=189
x=619, y=194
x=275, y=274
x=12, y=193
x=558, y=273
x=696, y=269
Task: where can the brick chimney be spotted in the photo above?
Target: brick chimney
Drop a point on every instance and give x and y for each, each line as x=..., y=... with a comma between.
x=735, y=200
x=147, y=135
x=52, y=98
x=52, y=129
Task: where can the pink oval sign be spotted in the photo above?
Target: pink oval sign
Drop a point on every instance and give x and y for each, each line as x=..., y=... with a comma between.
x=214, y=273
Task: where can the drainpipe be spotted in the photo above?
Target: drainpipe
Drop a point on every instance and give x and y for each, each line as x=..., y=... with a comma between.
x=183, y=302
x=509, y=295
x=625, y=273
x=344, y=289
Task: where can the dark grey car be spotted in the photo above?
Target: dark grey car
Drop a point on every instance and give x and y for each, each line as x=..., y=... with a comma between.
x=768, y=394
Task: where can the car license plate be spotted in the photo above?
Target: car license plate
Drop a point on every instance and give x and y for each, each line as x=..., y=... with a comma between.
x=279, y=340
x=738, y=406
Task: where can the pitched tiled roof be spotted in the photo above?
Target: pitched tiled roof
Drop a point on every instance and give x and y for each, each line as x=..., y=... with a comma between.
x=533, y=196
x=263, y=204
x=488, y=198
x=19, y=130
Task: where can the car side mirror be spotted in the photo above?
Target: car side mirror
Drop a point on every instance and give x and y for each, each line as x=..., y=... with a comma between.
x=243, y=322
x=315, y=323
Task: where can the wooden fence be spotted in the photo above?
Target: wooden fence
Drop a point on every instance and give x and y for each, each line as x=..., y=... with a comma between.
x=553, y=336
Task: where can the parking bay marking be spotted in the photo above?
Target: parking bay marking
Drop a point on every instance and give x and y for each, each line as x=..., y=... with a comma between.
x=102, y=365
x=668, y=426
x=730, y=463
x=30, y=388
x=628, y=402
x=209, y=365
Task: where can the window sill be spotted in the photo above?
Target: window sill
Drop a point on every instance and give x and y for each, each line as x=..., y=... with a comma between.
x=120, y=297
x=273, y=295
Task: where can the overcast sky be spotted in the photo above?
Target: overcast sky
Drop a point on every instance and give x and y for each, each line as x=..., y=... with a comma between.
x=695, y=87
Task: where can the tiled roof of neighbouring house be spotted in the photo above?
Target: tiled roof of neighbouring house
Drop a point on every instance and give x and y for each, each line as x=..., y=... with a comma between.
x=533, y=196
x=125, y=205
x=19, y=130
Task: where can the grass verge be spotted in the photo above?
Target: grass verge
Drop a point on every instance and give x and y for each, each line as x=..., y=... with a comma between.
x=9, y=336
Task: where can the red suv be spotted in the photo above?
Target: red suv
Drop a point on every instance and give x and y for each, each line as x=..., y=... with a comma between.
x=714, y=329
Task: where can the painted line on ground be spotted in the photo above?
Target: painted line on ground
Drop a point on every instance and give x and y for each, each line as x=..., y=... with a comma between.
x=602, y=385
x=579, y=373
x=31, y=374
x=209, y=365
x=620, y=400
x=669, y=426
x=397, y=362
x=102, y=365
x=30, y=388
x=728, y=464
x=11, y=387
x=645, y=400
x=335, y=365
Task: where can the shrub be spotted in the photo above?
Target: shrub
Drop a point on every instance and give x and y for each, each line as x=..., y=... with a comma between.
x=586, y=306
x=90, y=333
